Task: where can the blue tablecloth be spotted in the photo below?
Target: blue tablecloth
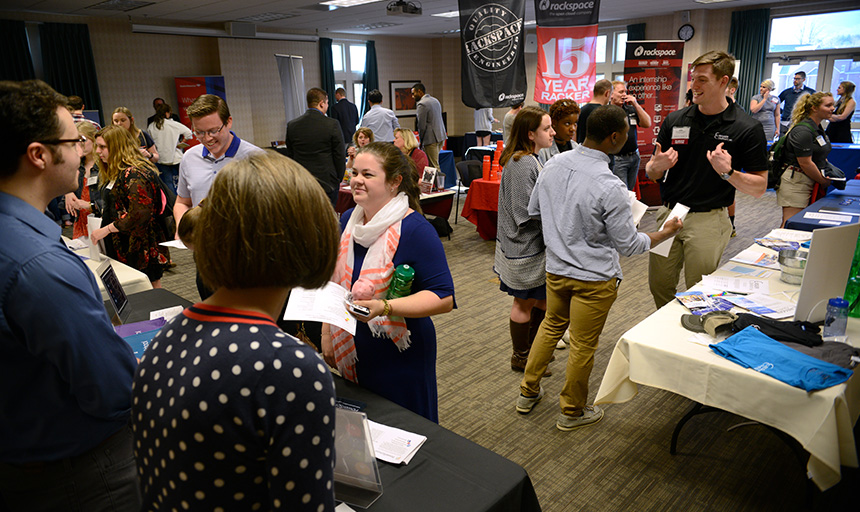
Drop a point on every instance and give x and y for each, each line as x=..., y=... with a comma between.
x=846, y=157
x=446, y=164
x=829, y=204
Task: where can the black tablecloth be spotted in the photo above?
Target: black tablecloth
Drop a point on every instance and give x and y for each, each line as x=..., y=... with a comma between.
x=142, y=303
x=449, y=473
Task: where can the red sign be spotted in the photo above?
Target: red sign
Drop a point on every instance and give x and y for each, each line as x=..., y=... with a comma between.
x=566, y=65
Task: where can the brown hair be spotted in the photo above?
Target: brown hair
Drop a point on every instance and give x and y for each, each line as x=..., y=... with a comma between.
x=563, y=108
x=206, y=104
x=395, y=164
x=132, y=128
x=367, y=133
x=316, y=96
x=805, y=104
x=29, y=113
x=123, y=152
x=601, y=86
x=162, y=111
x=185, y=229
x=266, y=223
x=519, y=144
x=722, y=63
x=848, y=93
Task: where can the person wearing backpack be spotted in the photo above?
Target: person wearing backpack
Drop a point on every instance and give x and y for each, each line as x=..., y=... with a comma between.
x=806, y=150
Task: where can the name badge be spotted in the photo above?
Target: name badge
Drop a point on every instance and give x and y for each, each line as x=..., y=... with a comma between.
x=820, y=140
x=680, y=134
x=92, y=180
x=633, y=121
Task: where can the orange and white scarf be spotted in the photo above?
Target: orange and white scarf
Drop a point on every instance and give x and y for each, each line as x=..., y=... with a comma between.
x=381, y=236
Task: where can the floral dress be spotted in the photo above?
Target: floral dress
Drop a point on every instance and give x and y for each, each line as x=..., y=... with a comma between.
x=130, y=205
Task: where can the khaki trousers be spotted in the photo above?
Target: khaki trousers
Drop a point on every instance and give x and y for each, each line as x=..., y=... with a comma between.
x=584, y=306
x=432, y=151
x=698, y=248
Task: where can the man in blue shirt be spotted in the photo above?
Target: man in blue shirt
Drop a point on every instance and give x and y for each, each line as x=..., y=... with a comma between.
x=381, y=121
x=790, y=97
x=587, y=222
x=65, y=375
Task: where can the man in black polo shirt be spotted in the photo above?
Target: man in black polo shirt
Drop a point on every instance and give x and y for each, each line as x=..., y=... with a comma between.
x=626, y=162
x=706, y=146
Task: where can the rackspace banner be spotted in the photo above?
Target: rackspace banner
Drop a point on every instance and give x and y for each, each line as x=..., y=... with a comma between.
x=566, y=13
x=493, y=62
x=566, y=66
x=652, y=70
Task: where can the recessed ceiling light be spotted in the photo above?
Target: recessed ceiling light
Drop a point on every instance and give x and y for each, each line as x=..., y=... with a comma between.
x=348, y=3
x=374, y=26
x=712, y=1
x=449, y=14
x=120, y=5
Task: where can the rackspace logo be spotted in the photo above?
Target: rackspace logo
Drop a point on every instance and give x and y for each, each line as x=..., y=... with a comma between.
x=570, y=7
x=520, y=96
x=653, y=52
x=492, y=37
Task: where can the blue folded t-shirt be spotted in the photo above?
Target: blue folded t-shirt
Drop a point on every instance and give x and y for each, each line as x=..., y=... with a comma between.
x=752, y=349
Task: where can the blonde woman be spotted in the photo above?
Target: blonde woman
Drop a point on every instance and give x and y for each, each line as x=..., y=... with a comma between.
x=78, y=203
x=839, y=129
x=406, y=142
x=764, y=108
x=130, y=189
x=122, y=117
x=806, y=150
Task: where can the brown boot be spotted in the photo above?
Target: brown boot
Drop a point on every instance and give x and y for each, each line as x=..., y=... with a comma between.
x=521, y=344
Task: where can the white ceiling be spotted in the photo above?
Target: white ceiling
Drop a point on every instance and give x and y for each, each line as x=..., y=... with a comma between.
x=309, y=15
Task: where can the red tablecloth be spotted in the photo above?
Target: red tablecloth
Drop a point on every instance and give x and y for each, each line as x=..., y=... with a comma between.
x=482, y=206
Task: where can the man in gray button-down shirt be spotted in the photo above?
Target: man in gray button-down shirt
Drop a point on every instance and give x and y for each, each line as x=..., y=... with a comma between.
x=587, y=221
x=428, y=122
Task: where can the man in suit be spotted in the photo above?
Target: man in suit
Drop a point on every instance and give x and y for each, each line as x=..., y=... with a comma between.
x=316, y=142
x=431, y=129
x=345, y=113
x=155, y=103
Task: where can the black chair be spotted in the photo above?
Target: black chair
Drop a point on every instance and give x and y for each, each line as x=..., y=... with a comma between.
x=468, y=170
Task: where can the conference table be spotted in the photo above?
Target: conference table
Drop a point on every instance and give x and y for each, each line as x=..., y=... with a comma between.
x=448, y=472
x=435, y=203
x=481, y=207
x=846, y=157
x=658, y=352
x=842, y=203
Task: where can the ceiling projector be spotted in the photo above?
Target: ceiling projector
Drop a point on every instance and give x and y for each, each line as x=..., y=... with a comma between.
x=401, y=8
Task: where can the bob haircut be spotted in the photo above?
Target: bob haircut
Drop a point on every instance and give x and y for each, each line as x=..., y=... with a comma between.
x=409, y=140
x=265, y=223
x=367, y=133
x=394, y=163
x=519, y=144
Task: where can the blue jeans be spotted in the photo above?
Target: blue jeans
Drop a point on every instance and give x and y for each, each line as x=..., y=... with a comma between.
x=627, y=169
x=102, y=479
x=169, y=175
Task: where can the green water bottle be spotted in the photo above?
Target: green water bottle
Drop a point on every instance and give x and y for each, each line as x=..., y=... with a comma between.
x=401, y=282
x=852, y=290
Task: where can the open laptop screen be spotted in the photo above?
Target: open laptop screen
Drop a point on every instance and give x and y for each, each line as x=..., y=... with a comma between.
x=116, y=295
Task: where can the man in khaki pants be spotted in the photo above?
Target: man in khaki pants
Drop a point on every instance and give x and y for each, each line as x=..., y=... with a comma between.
x=706, y=146
x=587, y=221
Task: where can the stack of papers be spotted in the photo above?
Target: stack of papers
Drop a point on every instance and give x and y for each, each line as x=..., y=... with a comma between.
x=394, y=445
x=764, y=305
x=758, y=258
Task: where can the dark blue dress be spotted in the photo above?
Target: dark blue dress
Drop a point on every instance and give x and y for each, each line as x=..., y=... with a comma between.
x=406, y=378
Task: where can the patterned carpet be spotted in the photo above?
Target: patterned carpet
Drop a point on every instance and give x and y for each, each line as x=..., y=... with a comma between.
x=623, y=462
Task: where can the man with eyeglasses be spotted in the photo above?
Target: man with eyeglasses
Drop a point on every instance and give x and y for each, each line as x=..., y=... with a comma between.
x=790, y=97
x=65, y=375
x=211, y=124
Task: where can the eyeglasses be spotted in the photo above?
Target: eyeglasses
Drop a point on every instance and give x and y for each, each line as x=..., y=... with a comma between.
x=199, y=134
x=79, y=140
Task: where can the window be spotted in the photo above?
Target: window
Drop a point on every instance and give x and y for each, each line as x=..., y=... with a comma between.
x=610, y=53
x=600, y=50
x=620, y=46
x=828, y=31
x=349, y=61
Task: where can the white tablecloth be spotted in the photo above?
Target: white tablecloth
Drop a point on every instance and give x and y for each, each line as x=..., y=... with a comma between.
x=132, y=280
x=657, y=353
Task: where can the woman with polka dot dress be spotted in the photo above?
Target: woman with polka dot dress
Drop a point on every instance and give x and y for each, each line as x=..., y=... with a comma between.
x=228, y=411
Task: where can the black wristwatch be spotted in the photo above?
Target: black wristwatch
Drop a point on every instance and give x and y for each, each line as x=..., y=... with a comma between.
x=727, y=175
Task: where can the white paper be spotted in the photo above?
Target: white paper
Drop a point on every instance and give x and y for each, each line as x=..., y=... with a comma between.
x=637, y=207
x=790, y=235
x=77, y=243
x=93, y=223
x=827, y=216
x=736, y=284
x=679, y=211
x=343, y=507
x=324, y=304
x=764, y=305
x=176, y=244
x=166, y=313
x=393, y=444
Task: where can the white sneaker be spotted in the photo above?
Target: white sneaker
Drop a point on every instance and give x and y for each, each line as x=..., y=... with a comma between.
x=564, y=342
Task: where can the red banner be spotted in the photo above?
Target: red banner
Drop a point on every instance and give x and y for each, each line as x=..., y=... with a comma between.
x=566, y=66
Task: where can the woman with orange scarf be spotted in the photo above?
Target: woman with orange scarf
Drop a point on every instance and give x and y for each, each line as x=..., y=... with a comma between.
x=393, y=352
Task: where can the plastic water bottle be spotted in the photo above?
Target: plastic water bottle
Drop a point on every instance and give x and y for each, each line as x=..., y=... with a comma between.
x=836, y=320
x=401, y=282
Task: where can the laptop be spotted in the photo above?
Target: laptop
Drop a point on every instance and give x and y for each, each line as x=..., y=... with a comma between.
x=827, y=270
x=116, y=295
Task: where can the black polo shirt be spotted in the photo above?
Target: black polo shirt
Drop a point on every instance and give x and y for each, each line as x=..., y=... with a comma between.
x=802, y=141
x=693, y=180
x=633, y=121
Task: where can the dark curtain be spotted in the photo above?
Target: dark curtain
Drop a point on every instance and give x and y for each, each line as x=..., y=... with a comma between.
x=370, y=80
x=16, y=63
x=748, y=43
x=327, y=69
x=636, y=32
x=67, y=57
